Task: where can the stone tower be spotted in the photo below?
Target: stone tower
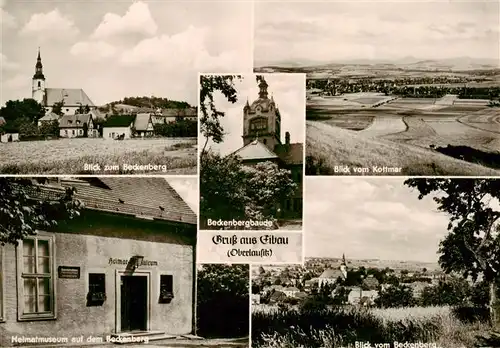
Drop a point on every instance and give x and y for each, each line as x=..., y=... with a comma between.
x=262, y=119
x=343, y=266
x=38, y=82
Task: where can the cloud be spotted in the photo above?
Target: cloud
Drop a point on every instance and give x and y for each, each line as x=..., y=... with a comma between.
x=93, y=50
x=17, y=82
x=6, y=64
x=183, y=51
x=50, y=26
x=7, y=20
x=137, y=19
x=188, y=190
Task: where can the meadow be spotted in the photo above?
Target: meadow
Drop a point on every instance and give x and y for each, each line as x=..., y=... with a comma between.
x=69, y=156
x=402, y=133
x=343, y=327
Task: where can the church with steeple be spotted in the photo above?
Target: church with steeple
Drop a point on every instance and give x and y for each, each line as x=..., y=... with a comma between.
x=73, y=99
x=330, y=276
x=262, y=141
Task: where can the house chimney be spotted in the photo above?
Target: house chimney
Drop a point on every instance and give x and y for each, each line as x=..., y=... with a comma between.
x=287, y=138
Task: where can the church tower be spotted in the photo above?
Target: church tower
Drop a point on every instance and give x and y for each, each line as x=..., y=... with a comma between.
x=262, y=119
x=343, y=266
x=38, y=84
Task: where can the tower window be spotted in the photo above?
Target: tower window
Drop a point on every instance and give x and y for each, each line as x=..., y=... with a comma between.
x=258, y=124
x=39, y=84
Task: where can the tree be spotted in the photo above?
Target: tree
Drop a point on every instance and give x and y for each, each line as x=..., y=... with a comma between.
x=395, y=296
x=472, y=245
x=57, y=108
x=210, y=126
x=18, y=111
x=230, y=190
x=50, y=128
x=23, y=210
x=223, y=300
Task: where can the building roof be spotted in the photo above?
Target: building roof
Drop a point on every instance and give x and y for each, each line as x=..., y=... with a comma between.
x=142, y=121
x=290, y=154
x=119, y=121
x=292, y=288
x=255, y=151
x=71, y=96
x=74, y=121
x=147, y=198
x=2, y=121
x=331, y=274
x=51, y=116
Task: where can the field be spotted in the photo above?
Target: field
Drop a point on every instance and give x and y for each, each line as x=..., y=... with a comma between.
x=342, y=327
x=70, y=156
x=403, y=133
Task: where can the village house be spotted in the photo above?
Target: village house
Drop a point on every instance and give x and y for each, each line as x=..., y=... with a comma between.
x=48, y=117
x=77, y=125
x=72, y=99
x=125, y=267
x=291, y=291
x=262, y=142
x=143, y=125
x=173, y=115
x=310, y=284
x=8, y=134
x=117, y=126
x=358, y=296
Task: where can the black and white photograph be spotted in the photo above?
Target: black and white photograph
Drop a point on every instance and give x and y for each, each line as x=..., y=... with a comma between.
x=389, y=263
x=393, y=87
x=252, y=130
x=106, y=260
x=110, y=87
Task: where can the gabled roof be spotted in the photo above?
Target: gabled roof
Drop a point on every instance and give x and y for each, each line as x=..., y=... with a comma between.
x=290, y=154
x=71, y=96
x=255, y=151
x=2, y=120
x=119, y=121
x=74, y=121
x=142, y=121
x=51, y=116
x=141, y=197
x=331, y=274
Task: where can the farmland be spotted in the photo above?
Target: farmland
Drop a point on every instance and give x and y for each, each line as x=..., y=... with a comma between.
x=342, y=327
x=402, y=132
x=69, y=156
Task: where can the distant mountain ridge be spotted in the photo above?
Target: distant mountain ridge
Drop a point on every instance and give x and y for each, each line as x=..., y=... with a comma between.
x=456, y=63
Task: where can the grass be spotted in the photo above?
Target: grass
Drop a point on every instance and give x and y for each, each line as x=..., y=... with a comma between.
x=327, y=147
x=69, y=156
x=342, y=327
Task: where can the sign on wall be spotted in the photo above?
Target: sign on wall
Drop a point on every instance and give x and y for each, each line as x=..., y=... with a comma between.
x=68, y=272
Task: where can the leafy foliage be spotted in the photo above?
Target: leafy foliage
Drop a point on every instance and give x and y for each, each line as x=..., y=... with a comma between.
x=230, y=190
x=210, y=126
x=155, y=102
x=23, y=210
x=57, y=108
x=223, y=300
x=395, y=296
x=472, y=247
x=179, y=128
x=50, y=128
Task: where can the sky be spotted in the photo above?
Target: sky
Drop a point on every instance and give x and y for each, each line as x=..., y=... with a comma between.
x=187, y=188
x=118, y=48
x=370, y=218
x=288, y=91
x=387, y=30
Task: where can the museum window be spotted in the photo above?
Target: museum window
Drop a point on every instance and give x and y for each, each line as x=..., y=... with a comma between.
x=97, y=289
x=166, y=288
x=35, y=289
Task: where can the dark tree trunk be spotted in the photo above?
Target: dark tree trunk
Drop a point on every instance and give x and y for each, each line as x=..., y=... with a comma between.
x=494, y=306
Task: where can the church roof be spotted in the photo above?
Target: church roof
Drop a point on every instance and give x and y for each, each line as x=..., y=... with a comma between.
x=331, y=274
x=71, y=97
x=74, y=121
x=255, y=151
x=290, y=154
